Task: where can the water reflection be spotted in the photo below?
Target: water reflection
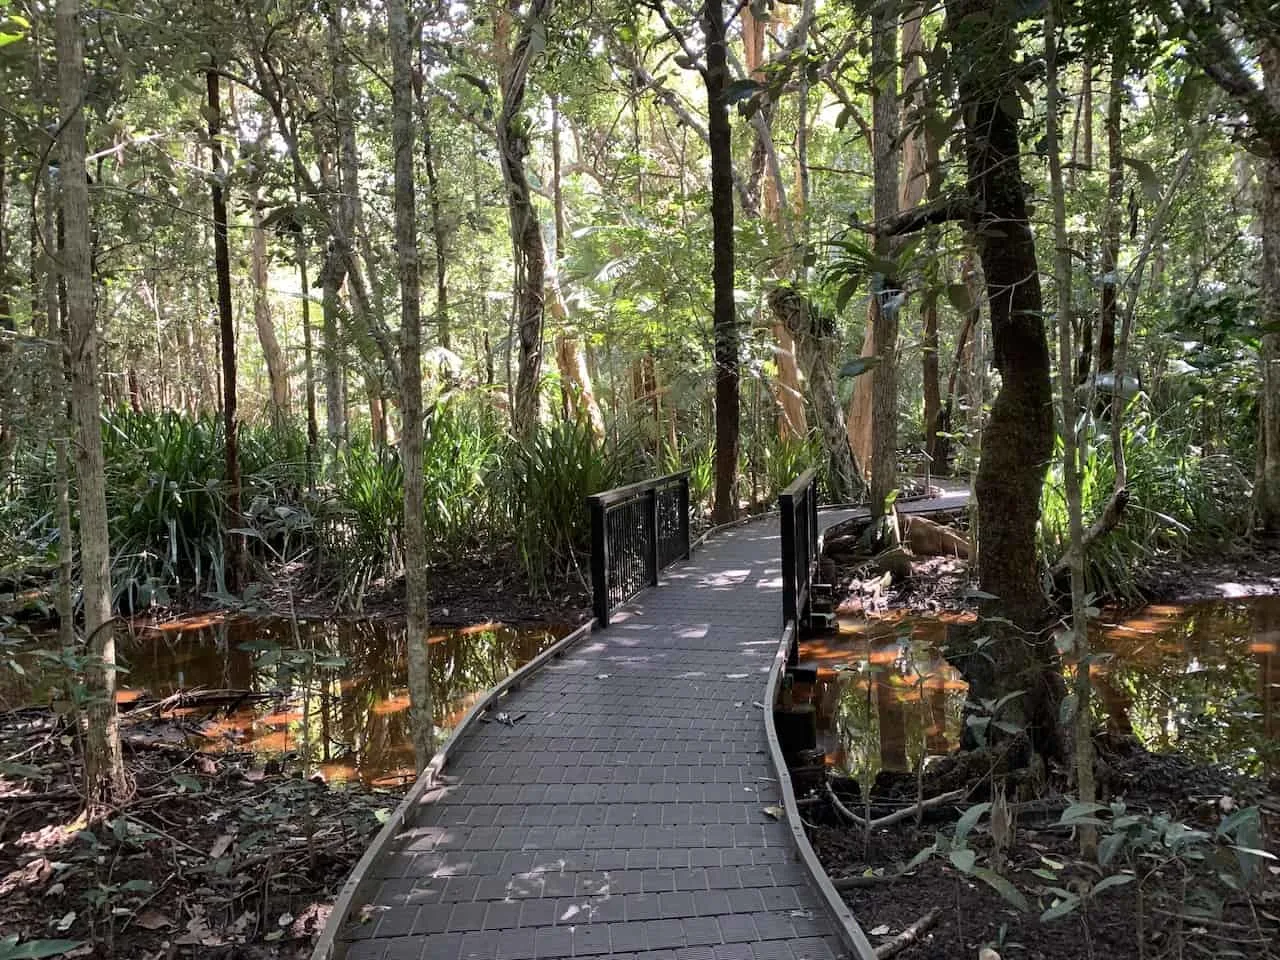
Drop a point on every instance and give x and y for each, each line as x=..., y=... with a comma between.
x=1203, y=679
x=327, y=696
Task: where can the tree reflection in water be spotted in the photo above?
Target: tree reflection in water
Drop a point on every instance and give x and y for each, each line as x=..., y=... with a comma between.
x=340, y=697
x=1203, y=679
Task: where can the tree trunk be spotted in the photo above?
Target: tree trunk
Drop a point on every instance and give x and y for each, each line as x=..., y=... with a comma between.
x=1018, y=439
x=277, y=370
x=526, y=234
x=439, y=234
x=308, y=351
x=724, y=311
x=417, y=595
x=814, y=338
x=105, y=781
x=886, y=292
x=1267, y=496
x=1071, y=452
x=235, y=548
x=332, y=273
x=1107, y=310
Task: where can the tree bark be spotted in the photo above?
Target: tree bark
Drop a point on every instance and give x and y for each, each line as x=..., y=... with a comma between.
x=526, y=234
x=886, y=291
x=308, y=349
x=105, y=781
x=814, y=338
x=1267, y=498
x=724, y=311
x=331, y=276
x=417, y=595
x=1018, y=439
x=439, y=233
x=277, y=370
x=1071, y=451
x=235, y=547
x=1107, y=308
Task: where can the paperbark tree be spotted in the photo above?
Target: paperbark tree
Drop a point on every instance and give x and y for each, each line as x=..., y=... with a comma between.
x=105, y=780
x=417, y=596
x=724, y=311
x=886, y=291
x=1108, y=303
x=277, y=370
x=512, y=128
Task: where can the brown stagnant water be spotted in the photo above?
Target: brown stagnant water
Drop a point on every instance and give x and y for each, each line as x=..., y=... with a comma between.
x=334, y=697
x=1201, y=678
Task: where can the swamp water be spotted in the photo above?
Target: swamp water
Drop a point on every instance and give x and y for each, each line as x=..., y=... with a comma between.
x=1202, y=679
x=333, y=698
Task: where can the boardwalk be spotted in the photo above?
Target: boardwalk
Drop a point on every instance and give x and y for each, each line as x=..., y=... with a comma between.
x=624, y=813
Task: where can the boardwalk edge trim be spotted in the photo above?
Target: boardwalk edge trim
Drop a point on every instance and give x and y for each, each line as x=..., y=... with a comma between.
x=327, y=947
x=846, y=924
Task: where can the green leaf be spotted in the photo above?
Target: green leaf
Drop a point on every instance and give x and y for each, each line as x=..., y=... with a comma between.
x=1081, y=813
x=1245, y=816
x=858, y=366
x=921, y=857
x=1109, y=847
x=964, y=859
x=1003, y=887
x=1060, y=908
x=969, y=819
x=846, y=292
x=1106, y=883
x=35, y=949
x=187, y=782
x=741, y=90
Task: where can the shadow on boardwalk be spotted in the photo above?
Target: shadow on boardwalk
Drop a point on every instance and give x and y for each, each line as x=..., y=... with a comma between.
x=623, y=813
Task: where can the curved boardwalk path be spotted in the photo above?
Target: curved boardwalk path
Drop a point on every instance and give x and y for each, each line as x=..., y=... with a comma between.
x=623, y=814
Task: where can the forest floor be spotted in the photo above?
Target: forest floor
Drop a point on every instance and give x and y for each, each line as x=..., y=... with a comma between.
x=1193, y=897
x=1187, y=899
x=207, y=858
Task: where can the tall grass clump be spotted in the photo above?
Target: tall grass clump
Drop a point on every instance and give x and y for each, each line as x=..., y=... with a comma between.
x=1180, y=498
x=552, y=474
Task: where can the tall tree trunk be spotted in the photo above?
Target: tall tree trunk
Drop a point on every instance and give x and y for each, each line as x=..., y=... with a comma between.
x=277, y=370
x=920, y=160
x=724, y=311
x=308, y=352
x=105, y=780
x=886, y=291
x=814, y=338
x=526, y=234
x=332, y=273
x=235, y=547
x=1018, y=439
x=1107, y=311
x=1267, y=497
x=417, y=596
x=1071, y=452
x=439, y=233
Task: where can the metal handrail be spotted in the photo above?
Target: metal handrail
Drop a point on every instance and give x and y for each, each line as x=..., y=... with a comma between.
x=798, y=509
x=636, y=532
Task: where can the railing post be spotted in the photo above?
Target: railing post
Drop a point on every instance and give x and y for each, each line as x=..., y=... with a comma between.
x=682, y=498
x=813, y=517
x=599, y=561
x=651, y=524
x=787, y=516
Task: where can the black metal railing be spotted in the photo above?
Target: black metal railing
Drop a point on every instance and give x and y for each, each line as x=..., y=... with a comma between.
x=798, y=506
x=636, y=532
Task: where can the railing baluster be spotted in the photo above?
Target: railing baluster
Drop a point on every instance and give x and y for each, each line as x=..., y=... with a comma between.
x=634, y=536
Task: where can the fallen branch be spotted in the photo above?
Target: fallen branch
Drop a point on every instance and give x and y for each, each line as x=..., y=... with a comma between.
x=908, y=936
x=1110, y=518
x=862, y=880
x=897, y=816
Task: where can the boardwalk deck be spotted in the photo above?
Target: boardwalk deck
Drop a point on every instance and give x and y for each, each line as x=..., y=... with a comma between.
x=623, y=814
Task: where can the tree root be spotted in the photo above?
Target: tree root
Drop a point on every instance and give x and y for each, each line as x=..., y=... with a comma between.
x=897, y=816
